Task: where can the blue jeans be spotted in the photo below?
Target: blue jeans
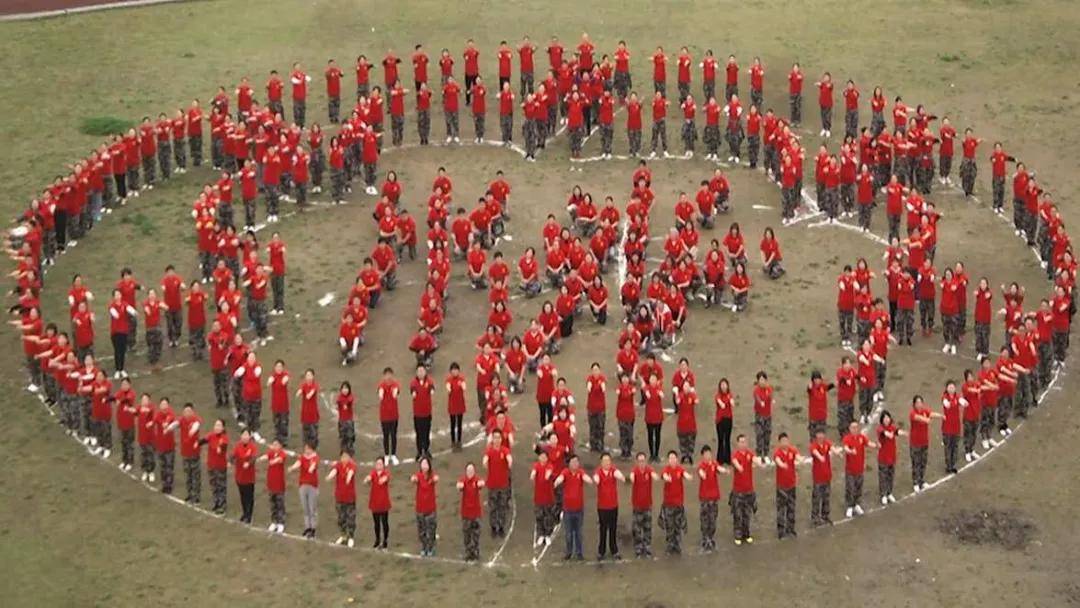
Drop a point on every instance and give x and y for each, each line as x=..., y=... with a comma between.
x=572, y=521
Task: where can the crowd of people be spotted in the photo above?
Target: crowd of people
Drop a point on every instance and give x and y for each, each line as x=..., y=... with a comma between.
x=594, y=249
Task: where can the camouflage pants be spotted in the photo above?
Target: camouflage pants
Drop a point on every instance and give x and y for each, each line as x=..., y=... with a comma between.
x=607, y=135
x=546, y=518
x=730, y=90
x=426, y=526
x=577, y=136
x=672, y=521
x=251, y=414
x=498, y=508
x=905, y=324
x=423, y=126
x=762, y=435
x=641, y=529
x=816, y=425
x=886, y=473
x=982, y=339
x=164, y=155
x=785, y=512
x=281, y=427
x=221, y=387
x=1061, y=345
x=277, y=286
x=277, y=508
x=195, y=146
x=660, y=86
x=711, y=136
x=1025, y=394
x=526, y=84
x=257, y=310
x=743, y=506
x=154, y=342
x=347, y=435
x=451, y=124
x=846, y=322
x=951, y=445
x=866, y=401
x=853, y=487
x=397, y=130
x=950, y=328
x=851, y=123
x=346, y=518
x=918, y=465
x=596, y=432
x=193, y=479
x=999, y=192
x=622, y=84
x=197, y=340
x=819, y=504
x=845, y=413
x=334, y=109
x=369, y=174
x=149, y=170
x=529, y=133
x=968, y=171
x=132, y=178
x=789, y=200
x=1046, y=355
x=218, y=489
x=470, y=531
x=337, y=184
x=147, y=457
x=276, y=107
x=684, y=91
x=310, y=434
x=847, y=197
x=734, y=138
x=708, y=90
x=127, y=446
x=85, y=427
x=318, y=167
x=689, y=135
x=709, y=511
x=634, y=138
x=103, y=433
x=795, y=102
x=971, y=428
x=1004, y=410
x=753, y=148
x=69, y=412
x=659, y=135
x=626, y=438
x=877, y=123
x=687, y=442
x=173, y=320
x=986, y=421
x=479, y=125
x=926, y=314
x=506, y=127
x=167, y=461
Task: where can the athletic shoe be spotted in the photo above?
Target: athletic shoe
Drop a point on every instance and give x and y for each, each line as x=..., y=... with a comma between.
x=106, y=453
x=143, y=476
x=272, y=528
x=849, y=512
x=917, y=489
x=749, y=540
x=892, y=499
x=859, y=510
x=340, y=540
x=986, y=444
x=967, y=456
x=738, y=542
x=975, y=456
x=150, y=478
x=884, y=500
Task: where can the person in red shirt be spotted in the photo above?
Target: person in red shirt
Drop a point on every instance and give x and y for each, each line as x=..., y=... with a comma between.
x=821, y=452
x=450, y=93
x=426, y=481
x=191, y=452
x=343, y=474
x=659, y=123
x=379, y=502
x=572, y=481
x=472, y=67
x=299, y=79
x=919, y=424
x=478, y=104
x=968, y=168
x=164, y=433
x=243, y=459
x=333, y=91
x=743, y=499
x=275, y=485
x=795, y=81
x=470, y=485
x=887, y=432
x=388, y=390
x=145, y=435
x=307, y=463
x=708, y=470
x=498, y=461
x=854, y=447
x=249, y=374
x=786, y=457
x=217, y=463
x=121, y=314
x=825, y=102
x=606, y=478
x=274, y=88
x=673, y=510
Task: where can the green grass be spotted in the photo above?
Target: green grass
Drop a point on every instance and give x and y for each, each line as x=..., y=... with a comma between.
x=102, y=126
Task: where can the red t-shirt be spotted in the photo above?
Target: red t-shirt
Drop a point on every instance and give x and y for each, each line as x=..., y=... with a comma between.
x=573, y=485
x=742, y=482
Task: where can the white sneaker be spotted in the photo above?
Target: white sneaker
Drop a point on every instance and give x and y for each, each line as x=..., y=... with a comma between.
x=736, y=160
x=953, y=349
x=975, y=456
x=105, y=454
x=1003, y=433
x=457, y=140
x=884, y=500
x=257, y=437
x=150, y=478
x=967, y=456
x=986, y=444
x=917, y=489
x=849, y=512
x=994, y=443
x=350, y=543
x=340, y=540
x=945, y=349
x=143, y=477
x=272, y=528
x=859, y=510
x=892, y=498
x=448, y=140
x=32, y=388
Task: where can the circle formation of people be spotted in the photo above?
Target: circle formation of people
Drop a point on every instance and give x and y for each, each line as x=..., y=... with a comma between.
x=276, y=161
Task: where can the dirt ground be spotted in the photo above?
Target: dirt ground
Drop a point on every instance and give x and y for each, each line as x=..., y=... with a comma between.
x=62, y=501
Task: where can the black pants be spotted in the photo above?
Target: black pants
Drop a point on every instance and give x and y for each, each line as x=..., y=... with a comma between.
x=652, y=431
x=609, y=525
x=381, y=523
x=547, y=413
x=247, y=501
x=60, y=219
x=723, y=440
x=389, y=438
x=423, y=435
x=120, y=345
x=455, y=428
x=121, y=184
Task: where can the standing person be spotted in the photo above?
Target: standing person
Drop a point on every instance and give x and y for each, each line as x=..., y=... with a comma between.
x=596, y=406
x=825, y=102
x=450, y=93
x=786, y=458
x=795, y=81
x=919, y=422
x=525, y=57
x=854, y=446
x=506, y=114
x=606, y=478
x=120, y=315
x=470, y=485
x=191, y=453
x=276, y=250
x=968, y=168
x=217, y=466
x=952, y=402
x=275, y=485
x=308, y=488
x=572, y=480
x=249, y=374
x=278, y=384
x=299, y=79
x=379, y=502
x=708, y=470
x=243, y=461
x=425, y=480
x=887, y=433
x=126, y=416
x=625, y=412
x=343, y=473
x=546, y=512
x=821, y=451
x=172, y=286
x=659, y=124
x=479, y=108
x=763, y=402
x=653, y=395
x=309, y=408
x=686, y=399
x=146, y=436
x=743, y=498
x=642, y=477
x=972, y=412
x=422, y=388
x=725, y=411
x=498, y=461
x=333, y=91
x=455, y=395
x=165, y=423
x=388, y=391
x=673, y=512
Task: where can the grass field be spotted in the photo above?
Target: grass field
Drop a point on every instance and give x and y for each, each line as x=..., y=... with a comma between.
x=75, y=532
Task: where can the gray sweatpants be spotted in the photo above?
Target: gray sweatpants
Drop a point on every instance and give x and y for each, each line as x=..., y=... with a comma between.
x=309, y=502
